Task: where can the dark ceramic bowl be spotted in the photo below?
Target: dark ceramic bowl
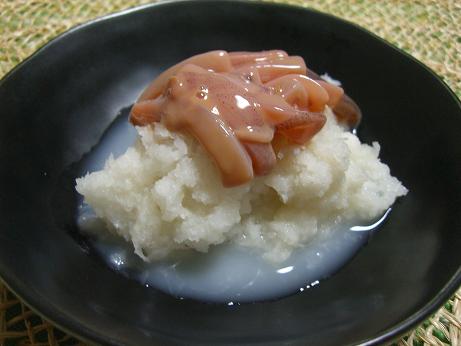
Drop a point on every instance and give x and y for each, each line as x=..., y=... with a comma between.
x=55, y=106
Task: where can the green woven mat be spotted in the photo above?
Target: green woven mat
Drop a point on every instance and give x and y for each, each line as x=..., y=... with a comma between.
x=428, y=30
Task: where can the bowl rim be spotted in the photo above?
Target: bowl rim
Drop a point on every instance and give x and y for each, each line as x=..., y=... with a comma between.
x=66, y=323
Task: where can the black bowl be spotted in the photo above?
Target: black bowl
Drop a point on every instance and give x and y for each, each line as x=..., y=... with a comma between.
x=56, y=105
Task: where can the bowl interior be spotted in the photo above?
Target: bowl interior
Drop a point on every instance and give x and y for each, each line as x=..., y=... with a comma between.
x=56, y=106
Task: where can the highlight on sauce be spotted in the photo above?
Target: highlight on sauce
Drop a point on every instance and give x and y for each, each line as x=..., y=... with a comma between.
x=243, y=106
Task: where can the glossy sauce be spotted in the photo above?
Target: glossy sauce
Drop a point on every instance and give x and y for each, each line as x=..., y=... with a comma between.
x=241, y=106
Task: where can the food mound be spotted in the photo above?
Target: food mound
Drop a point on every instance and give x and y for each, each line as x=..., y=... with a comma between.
x=244, y=147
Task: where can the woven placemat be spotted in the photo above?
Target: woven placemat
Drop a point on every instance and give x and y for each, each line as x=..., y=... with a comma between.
x=428, y=30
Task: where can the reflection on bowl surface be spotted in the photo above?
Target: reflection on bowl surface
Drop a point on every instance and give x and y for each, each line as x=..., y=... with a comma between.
x=60, y=101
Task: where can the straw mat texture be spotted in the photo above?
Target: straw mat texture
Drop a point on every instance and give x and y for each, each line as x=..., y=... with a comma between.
x=430, y=30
